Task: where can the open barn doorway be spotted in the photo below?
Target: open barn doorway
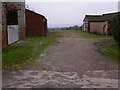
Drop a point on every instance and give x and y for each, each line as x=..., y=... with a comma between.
x=12, y=26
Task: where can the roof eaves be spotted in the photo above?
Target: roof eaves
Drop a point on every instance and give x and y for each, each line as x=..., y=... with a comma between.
x=36, y=13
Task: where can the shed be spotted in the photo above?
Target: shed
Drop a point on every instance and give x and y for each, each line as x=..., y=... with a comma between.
x=36, y=24
x=12, y=22
x=99, y=24
x=94, y=24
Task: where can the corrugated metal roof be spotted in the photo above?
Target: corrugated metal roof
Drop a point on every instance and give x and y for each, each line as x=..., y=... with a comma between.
x=94, y=17
x=100, y=18
x=109, y=16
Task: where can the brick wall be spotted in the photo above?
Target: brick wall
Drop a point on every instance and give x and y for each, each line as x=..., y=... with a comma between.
x=34, y=24
x=0, y=25
x=0, y=39
x=21, y=23
x=22, y=33
x=4, y=39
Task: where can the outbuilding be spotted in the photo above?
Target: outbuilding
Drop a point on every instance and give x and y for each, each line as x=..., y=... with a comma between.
x=95, y=24
x=12, y=22
x=36, y=24
x=99, y=24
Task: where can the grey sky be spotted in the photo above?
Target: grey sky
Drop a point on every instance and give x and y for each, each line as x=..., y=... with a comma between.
x=71, y=13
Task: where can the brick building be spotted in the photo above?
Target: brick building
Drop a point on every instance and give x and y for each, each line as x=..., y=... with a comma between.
x=12, y=22
x=36, y=24
x=99, y=24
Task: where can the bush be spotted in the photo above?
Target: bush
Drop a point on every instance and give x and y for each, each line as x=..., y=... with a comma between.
x=116, y=28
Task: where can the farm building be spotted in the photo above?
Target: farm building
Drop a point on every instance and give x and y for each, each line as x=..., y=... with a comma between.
x=36, y=24
x=99, y=24
x=12, y=22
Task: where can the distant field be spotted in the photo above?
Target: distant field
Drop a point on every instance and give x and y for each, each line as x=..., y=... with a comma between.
x=89, y=35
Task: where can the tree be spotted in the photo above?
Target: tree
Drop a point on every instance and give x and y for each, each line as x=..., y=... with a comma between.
x=116, y=28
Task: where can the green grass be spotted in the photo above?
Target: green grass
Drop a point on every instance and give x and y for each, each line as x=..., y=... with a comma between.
x=17, y=57
x=110, y=49
x=13, y=57
x=0, y=60
x=89, y=35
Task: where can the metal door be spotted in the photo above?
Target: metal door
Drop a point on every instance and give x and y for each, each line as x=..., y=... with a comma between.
x=12, y=33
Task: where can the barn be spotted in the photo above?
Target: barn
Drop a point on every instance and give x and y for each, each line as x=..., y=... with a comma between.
x=12, y=22
x=36, y=24
x=95, y=24
x=99, y=24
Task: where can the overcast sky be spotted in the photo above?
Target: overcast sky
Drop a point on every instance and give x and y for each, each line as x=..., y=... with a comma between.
x=67, y=13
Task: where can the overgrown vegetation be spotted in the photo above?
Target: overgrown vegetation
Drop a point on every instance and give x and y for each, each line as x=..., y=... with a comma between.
x=18, y=56
x=116, y=28
x=89, y=35
x=109, y=48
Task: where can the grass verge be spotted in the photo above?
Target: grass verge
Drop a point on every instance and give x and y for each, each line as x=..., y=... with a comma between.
x=18, y=56
x=89, y=35
x=109, y=48
x=0, y=60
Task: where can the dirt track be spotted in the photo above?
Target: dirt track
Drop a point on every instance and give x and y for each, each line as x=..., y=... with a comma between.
x=74, y=53
x=74, y=62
